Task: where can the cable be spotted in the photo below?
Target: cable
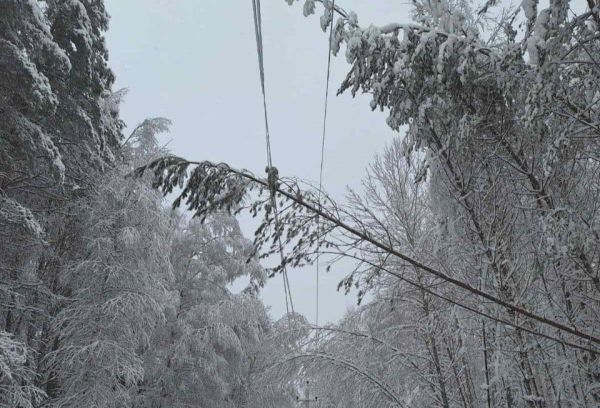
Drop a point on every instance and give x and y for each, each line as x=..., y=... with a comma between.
x=180, y=166
x=261, y=68
x=472, y=309
x=270, y=169
x=323, y=147
x=367, y=237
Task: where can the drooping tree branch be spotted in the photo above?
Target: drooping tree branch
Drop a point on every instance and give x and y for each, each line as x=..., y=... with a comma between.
x=211, y=187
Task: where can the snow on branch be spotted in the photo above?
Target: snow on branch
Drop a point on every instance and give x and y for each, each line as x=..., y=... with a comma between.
x=211, y=187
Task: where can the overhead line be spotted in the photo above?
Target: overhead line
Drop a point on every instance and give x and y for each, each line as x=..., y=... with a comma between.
x=270, y=169
x=323, y=144
x=366, y=236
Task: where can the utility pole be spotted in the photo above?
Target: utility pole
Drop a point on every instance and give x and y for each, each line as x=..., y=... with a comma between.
x=307, y=399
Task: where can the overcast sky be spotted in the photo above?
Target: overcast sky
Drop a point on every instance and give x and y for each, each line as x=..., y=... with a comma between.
x=194, y=62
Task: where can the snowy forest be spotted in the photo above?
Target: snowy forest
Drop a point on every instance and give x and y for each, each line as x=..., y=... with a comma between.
x=472, y=248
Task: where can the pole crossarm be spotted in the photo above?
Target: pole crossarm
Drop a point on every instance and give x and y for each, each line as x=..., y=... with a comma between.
x=307, y=398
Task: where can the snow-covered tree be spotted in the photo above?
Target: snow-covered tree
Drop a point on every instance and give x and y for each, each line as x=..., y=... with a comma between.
x=107, y=299
x=498, y=108
x=116, y=286
x=201, y=352
x=54, y=136
x=17, y=388
x=213, y=345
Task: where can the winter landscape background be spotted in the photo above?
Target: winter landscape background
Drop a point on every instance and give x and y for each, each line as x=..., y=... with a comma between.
x=456, y=232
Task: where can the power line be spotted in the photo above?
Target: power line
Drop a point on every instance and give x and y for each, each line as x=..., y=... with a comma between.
x=272, y=185
x=179, y=166
x=323, y=145
x=367, y=237
x=430, y=291
x=272, y=171
x=261, y=67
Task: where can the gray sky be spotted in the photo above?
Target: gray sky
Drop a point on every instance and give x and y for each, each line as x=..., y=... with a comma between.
x=194, y=62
